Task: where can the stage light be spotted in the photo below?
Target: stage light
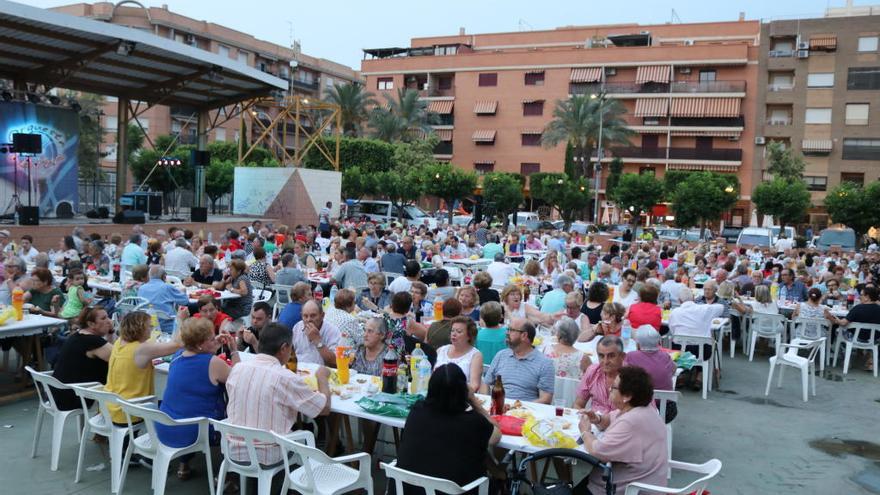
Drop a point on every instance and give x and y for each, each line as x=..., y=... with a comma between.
x=6, y=95
x=125, y=48
x=34, y=98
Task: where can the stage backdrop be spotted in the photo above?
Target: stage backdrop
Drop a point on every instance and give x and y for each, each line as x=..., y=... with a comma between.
x=291, y=195
x=54, y=171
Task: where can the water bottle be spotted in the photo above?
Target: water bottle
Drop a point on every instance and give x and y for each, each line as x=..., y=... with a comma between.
x=402, y=382
x=333, y=291
x=417, y=356
x=424, y=376
x=626, y=332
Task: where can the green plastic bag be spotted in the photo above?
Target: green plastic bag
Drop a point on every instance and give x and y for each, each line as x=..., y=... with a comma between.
x=686, y=360
x=395, y=406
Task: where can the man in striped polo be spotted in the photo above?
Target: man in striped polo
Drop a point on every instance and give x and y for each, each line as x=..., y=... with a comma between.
x=526, y=373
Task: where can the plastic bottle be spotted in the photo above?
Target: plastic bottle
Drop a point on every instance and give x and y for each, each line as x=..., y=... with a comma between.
x=18, y=303
x=774, y=291
x=438, y=309
x=626, y=332
x=319, y=293
x=333, y=291
x=417, y=355
x=402, y=382
x=389, y=371
x=423, y=376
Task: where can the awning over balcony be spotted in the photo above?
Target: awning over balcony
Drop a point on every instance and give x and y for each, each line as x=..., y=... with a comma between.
x=705, y=107
x=816, y=145
x=823, y=42
x=707, y=133
x=722, y=107
x=533, y=130
x=652, y=73
x=484, y=162
x=444, y=134
x=486, y=107
x=652, y=107
x=586, y=74
x=532, y=100
x=484, y=136
x=443, y=107
x=537, y=71
x=700, y=166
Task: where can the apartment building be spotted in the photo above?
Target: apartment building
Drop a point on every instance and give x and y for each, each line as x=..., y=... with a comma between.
x=308, y=76
x=689, y=91
x=819, y=93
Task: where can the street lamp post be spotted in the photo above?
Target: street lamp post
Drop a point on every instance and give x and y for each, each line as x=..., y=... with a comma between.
x=598, y=170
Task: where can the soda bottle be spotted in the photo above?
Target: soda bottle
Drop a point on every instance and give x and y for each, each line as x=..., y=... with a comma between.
x=319, y=293
x=497, y=407
x=401, y=379
x=438, y=308
x=389, y=371
x=117, y=271
x=292, y=362
x=626, y=332
x=18, y=303
x=333, y=291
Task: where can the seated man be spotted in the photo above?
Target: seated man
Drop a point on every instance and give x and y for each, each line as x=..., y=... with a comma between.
x=265, y=395
x=867, y=311
x=695, y=320
x=500, y=270
x=249, y=338
x=291, y=314
x=554, y=301
x=314, y=338
x=205, y=275
x=526, y=373
x=162, y=296
x=597, y=380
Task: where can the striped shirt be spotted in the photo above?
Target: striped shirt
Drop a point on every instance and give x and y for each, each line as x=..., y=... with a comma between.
x=265, y=395
x=523, y=377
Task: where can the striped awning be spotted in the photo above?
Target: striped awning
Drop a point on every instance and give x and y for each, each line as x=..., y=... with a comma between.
x=444, y=134
x=486, y=106
x=484, y=165
x=705, y=107
x=484, y=136
x=484, y=162
x=442, y=107
x=823, y=42
x=722, y=107
x=816, y=145
x=707, y=133
x=533, y=130
x=688, y=107
x=532, y=100
x=652, y=73
x=652, y=107
x=586, y=74
x=701, y=166
x=537, y=71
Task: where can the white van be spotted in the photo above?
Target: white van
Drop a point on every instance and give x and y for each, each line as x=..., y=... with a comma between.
x=523, y=217
x=380, y=212
x=789, y=232
x=755, y=236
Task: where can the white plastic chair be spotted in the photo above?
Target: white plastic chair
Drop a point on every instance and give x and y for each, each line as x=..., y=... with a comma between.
x=390, y=276
x=250, y=468
x=321, y=474
x=855, y=342
x=102, y=424
x=814, y=329
x=807, y=365
x=42, y=382
x=152, y=448
x=455, y=275
x=665, y=397
x=430, y=484
x=565, y=391
x=174, y=280
x=127, y=305
x=765, y=326
x=282, y=293
x=708, y=469
x=726, y=329
x=707, y=364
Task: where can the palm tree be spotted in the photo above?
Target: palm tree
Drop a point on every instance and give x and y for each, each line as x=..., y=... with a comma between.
x=386, y=126
x=576, y=122
x=353, y=102
x=413, y=112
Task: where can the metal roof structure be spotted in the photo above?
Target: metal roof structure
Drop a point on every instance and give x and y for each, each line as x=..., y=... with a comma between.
x=65, y=51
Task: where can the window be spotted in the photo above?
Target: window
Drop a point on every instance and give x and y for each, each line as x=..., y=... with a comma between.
x=781, y=80
x=243, y=57
x=488, y=79
x=328, y=82
x=863, y=78
x=220, y=134
x=861, y=149
x=816, y=183
x=529, y=168
x=818, y=116
x=531, y=139
x=179, y=38
x=444, y=82
x=223, y=51
x=110, y=150
x=783, y=45
x=384, y=83
x=853, y=178
x=868, y=43
x=533, y=108
x=176, y=126
x=534, y=79
x=707, y=75
x=651, y=141
x=145, y=123
x=445, y=50
x=111, y=123
x=820, y=80
x=857, y=113
x=779, y=116
x=484, y=167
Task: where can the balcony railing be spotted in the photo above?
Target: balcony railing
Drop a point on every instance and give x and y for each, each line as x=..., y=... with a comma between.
x=443, y=148
x=778, y=121
x=730, y=154
x=779, y=87
x=780, y=53
x=444, y=119
x=433, y=91
x=708, y=121
x=658, y=88
x=308, y=86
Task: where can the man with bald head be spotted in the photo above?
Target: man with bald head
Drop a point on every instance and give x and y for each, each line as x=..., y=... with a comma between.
x=314, y=338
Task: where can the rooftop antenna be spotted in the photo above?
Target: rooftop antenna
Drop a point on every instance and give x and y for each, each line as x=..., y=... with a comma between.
x=674, y=17
x=522, y=25
x=290, y=33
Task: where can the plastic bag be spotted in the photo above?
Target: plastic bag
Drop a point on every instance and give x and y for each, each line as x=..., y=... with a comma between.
x=510, y=425
x=686, y=360
x=543, y=433
x=395, y=406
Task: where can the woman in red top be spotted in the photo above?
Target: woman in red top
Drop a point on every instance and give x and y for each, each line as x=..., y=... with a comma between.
x=646, y=311
x=209, y=309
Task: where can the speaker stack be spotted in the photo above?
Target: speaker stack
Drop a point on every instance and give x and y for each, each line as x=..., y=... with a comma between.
x=28, y=144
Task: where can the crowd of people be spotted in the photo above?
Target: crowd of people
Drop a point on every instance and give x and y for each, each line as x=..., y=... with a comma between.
x=473, y=327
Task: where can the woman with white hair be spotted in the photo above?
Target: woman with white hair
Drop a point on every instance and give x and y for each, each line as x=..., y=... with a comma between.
x=568, y=361
x=649, y=357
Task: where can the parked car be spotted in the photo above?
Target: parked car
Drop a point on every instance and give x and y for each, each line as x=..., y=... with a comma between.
x=755, y=236
x=837, y=237
x=730, y=234
x=463, y=220
x=668, y=233
x=694, y=235
x=789, y=232
x=381, y=212
x=533, y=225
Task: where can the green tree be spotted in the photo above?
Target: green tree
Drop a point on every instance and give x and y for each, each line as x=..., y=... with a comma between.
x=702, y=197
x=786, y=199
x=370, y=155
x=637, y=193
x=414, y=154
x=401, y=188
x=405, y=118
x=356, y=183
x=353, y=102
x=448, y=183
x=783, y=163
x=614, y=173
x=854, y=206
x=504, y=190
x=567, y=195
x=219, y=177
x=576, y=122
x=386, y=125
x=91, y=135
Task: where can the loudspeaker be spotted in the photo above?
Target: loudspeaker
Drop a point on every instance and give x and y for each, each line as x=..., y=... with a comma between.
x=478, y=209
x=28, y=215
x=28, y=144
x=130, y=217
x=198, y=214
x=154, y=205
x=101, y=212
x=200, y=158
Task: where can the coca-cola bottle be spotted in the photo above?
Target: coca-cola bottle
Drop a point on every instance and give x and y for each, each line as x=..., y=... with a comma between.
x=389, y=371
x=117, y=269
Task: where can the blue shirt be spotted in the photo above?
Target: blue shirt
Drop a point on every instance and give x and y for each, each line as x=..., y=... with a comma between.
x=523, y=378
x=290, y=315
x=553, y=301
x=491, y=249
x=163, y=297
x=132, y=254
x=797, y=292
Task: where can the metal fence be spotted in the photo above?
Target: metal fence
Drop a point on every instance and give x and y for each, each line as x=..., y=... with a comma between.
x=93, y=195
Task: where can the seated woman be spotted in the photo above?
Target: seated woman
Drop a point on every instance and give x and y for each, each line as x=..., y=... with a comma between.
x=573, y=302
x=568, y=361
x=453, y=422
x=194, y=385
x=650, y=358
x=140, y=274
x=84, y=355
x=209, y=309
x=515, y=307
x=238, y=282
x=375, y=297
x=130, y=373
x=612, y=320
x=421, y=309
x=597, y=296
x=469, y=300
x=646, y=311
x=261, y=270
x=461, y=351
x=403, y=330
x=46, y=298
x=491, y=337
x=483, y=284
x=634, y=438
x=368, y=356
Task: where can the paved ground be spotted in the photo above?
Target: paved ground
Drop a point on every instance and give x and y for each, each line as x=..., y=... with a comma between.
x=769, y=445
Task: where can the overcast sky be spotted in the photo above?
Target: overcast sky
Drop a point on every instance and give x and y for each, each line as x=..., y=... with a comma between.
x=338, y=30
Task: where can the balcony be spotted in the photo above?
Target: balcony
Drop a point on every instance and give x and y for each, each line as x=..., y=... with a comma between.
x=443, y=148
x=305, y=85
x=708, y=121
x=434, y=92
x=659, y=88
x=780, y=53
x=779, y=121
x=728, y=154
x=186, y=138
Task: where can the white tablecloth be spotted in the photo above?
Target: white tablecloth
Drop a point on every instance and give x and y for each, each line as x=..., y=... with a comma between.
x=30, y=325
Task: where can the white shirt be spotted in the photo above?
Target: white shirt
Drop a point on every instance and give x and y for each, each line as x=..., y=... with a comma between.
x=180, y=260
x=783, y=244
x=627, y=301
x=307, y=352
x=400, y=284
x=28, y=257
x=694, y=319
x=500, y=272
x=671, y=288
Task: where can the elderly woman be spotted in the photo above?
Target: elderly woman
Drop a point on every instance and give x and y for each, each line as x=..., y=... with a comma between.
x=238, y=282
x=84, y=355
x=194, y=385
x=140, y=274
x=650, y=358
x=45, y=297
x=461, y=351
x=97, y=260
x=455, y=425
x=483, y=284
x=375, y=297
x=811, y=308
x=469, y=299
x=208, y=309
x=568, y=361
x=154, y=252
x=420, y=307
x=573, y=302
x=646, y=311
x=633, y=439
x=598, y=379
x=515, y=307
x=261, y=271
x=626, y=293
x=368, y=356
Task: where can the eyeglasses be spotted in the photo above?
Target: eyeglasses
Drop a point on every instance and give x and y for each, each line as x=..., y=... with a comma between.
x=630, y=280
